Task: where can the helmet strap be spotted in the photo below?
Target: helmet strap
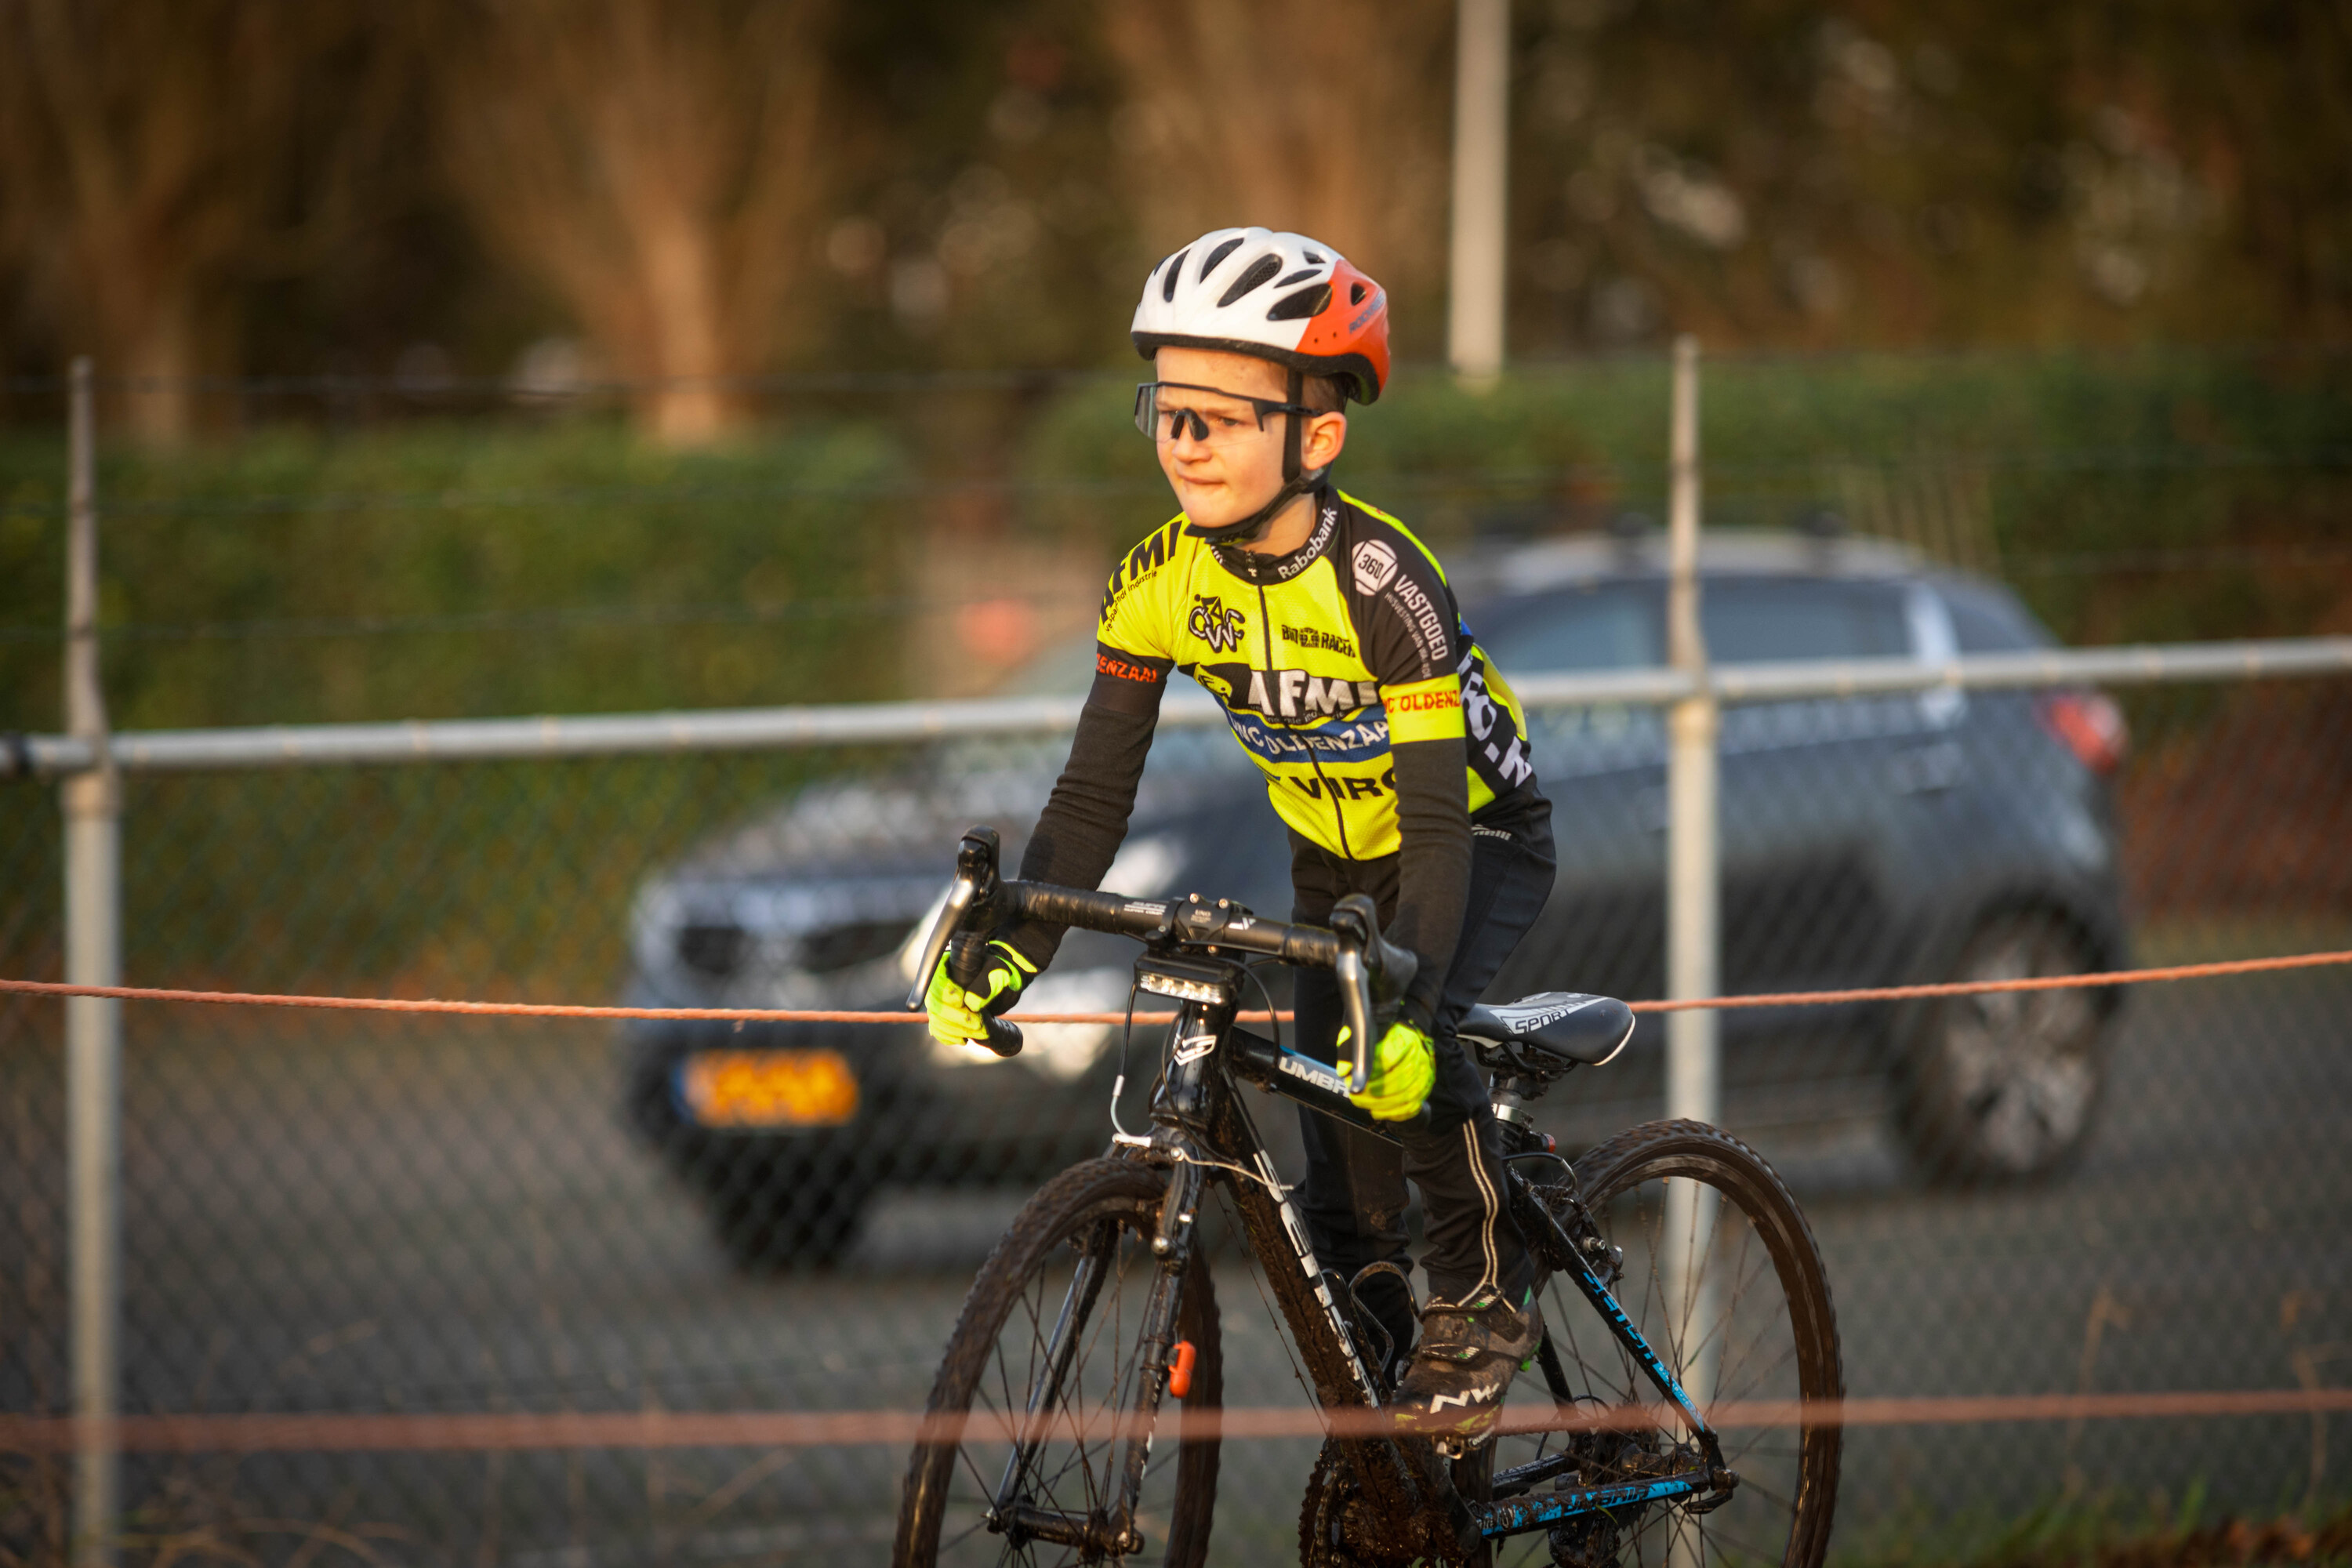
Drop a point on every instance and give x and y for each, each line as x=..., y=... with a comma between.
x=1294, y=388
x=1296, y=479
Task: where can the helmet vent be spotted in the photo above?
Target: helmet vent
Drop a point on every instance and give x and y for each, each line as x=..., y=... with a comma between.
x=1297, y=307
x=1301, y=276
x=1174, y=271
x=1260, y=271
x=1356, y=292
x=1314, y=259
x=1209, y=262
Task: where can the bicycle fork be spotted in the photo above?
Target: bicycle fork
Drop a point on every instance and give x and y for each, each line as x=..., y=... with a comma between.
x=1110, y=1532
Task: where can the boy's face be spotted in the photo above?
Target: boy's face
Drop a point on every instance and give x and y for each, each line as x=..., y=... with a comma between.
x=1238, y=469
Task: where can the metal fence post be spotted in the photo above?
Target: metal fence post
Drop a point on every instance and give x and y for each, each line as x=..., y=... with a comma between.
x=1693, y=881
x=1692, y=873
x=1482, y=135
x=93, y=1026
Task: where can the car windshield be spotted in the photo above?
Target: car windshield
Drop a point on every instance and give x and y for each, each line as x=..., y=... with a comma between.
x=1597, y=625
x=1746, y=620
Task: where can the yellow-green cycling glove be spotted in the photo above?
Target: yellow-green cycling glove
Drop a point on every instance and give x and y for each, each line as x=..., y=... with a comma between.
x=957, y=1015
x=1404, y=1066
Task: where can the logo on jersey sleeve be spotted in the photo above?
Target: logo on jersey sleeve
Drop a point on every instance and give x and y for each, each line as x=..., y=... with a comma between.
x=1215, y=624
x=1375, y=564
x=1490, y=726
x=1139, y=562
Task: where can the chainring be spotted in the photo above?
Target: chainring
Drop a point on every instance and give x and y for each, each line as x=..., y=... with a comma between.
x=1337, y=1530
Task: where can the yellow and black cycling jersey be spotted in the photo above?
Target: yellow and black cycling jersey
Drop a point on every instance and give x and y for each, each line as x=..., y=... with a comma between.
x=1323, y=658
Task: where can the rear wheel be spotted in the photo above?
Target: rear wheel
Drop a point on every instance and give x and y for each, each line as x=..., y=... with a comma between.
x=1717, y=1269
x=1049, y=1349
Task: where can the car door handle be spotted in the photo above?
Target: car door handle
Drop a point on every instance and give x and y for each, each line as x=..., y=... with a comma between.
x=1927, y=770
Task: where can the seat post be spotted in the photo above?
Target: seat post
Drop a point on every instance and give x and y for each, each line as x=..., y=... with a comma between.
x=1513, y=1094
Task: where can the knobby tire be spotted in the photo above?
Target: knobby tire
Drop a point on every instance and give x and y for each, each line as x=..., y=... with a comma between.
x=1116, y=1197
x=1609, y=1173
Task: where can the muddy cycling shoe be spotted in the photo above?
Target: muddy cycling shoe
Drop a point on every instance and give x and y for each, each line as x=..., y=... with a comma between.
x=1453, y=1391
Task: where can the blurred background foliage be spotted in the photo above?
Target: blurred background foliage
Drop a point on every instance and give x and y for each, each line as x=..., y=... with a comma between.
x=481, y=356
x=715, y=187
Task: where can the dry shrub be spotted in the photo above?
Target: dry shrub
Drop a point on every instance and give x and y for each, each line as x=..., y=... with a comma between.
x=2224, y=816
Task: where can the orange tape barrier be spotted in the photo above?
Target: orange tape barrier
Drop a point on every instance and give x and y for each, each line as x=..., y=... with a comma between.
x=821, y=1016
x=783, y=1429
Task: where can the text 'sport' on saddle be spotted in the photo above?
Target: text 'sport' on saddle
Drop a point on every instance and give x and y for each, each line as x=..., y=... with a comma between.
x=1552, y=1031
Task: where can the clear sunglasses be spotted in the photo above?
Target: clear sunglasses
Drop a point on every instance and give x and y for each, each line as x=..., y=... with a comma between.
x=1217, y=423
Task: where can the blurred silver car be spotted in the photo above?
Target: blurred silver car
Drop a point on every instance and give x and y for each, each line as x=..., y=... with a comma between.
x=1865, y=842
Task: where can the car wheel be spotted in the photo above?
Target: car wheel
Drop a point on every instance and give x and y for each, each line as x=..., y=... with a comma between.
x=2006, y=1084
x=784, y=1205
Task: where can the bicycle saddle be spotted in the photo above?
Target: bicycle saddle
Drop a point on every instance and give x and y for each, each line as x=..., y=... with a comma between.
x=1552, y=1029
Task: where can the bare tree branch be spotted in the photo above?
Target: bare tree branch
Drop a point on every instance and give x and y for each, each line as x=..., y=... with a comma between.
x=655, y=163
x=142, y=148
x=1327, y=117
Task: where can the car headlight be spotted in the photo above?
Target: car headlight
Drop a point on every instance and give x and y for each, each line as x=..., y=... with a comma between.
x=1145, y=867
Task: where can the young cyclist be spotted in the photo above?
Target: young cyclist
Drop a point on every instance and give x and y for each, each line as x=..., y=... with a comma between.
x=1392, y=747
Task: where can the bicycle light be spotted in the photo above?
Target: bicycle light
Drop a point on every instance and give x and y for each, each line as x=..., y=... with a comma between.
x=1160, y=981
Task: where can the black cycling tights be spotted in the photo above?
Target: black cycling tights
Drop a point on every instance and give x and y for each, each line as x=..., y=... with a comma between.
x=1355, y=1182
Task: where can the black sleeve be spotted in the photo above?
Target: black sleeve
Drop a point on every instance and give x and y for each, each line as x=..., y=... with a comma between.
x=1432, y=796
x=1085, y=819
x=1411, y=632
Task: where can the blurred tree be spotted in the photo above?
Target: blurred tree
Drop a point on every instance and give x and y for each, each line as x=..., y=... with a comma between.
x=1325, y=117
x=658, y=164
x=149, y=162
x=705, y=188
x=1869, y=173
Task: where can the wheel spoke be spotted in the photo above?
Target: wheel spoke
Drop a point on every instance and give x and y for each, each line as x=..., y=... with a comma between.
x=1080, y=1382
x=1723, y=1307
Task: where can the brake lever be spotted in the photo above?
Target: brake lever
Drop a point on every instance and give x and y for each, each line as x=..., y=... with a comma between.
x=1356, y=1009
x=1373, y=974
x=974, y=885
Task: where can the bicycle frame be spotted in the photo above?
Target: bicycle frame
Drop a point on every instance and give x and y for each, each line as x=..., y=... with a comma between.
x=1201, y=1131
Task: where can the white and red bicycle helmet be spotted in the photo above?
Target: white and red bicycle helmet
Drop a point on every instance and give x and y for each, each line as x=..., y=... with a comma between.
x=1279, y=297
x=1282, y=297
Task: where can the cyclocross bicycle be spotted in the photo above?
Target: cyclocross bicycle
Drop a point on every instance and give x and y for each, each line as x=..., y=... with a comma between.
x=1684, y=1416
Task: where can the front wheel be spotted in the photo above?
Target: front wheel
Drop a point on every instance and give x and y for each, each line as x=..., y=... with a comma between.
x=1715, y=1265
x=1036, y=1404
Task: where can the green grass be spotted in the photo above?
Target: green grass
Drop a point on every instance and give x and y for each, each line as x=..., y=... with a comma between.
x=2106, y=1530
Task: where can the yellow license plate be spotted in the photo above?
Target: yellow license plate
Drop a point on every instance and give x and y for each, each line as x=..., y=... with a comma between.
x=768, y=1088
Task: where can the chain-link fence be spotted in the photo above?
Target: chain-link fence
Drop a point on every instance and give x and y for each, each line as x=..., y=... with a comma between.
x=2080, y=1190
x=372, y=1215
